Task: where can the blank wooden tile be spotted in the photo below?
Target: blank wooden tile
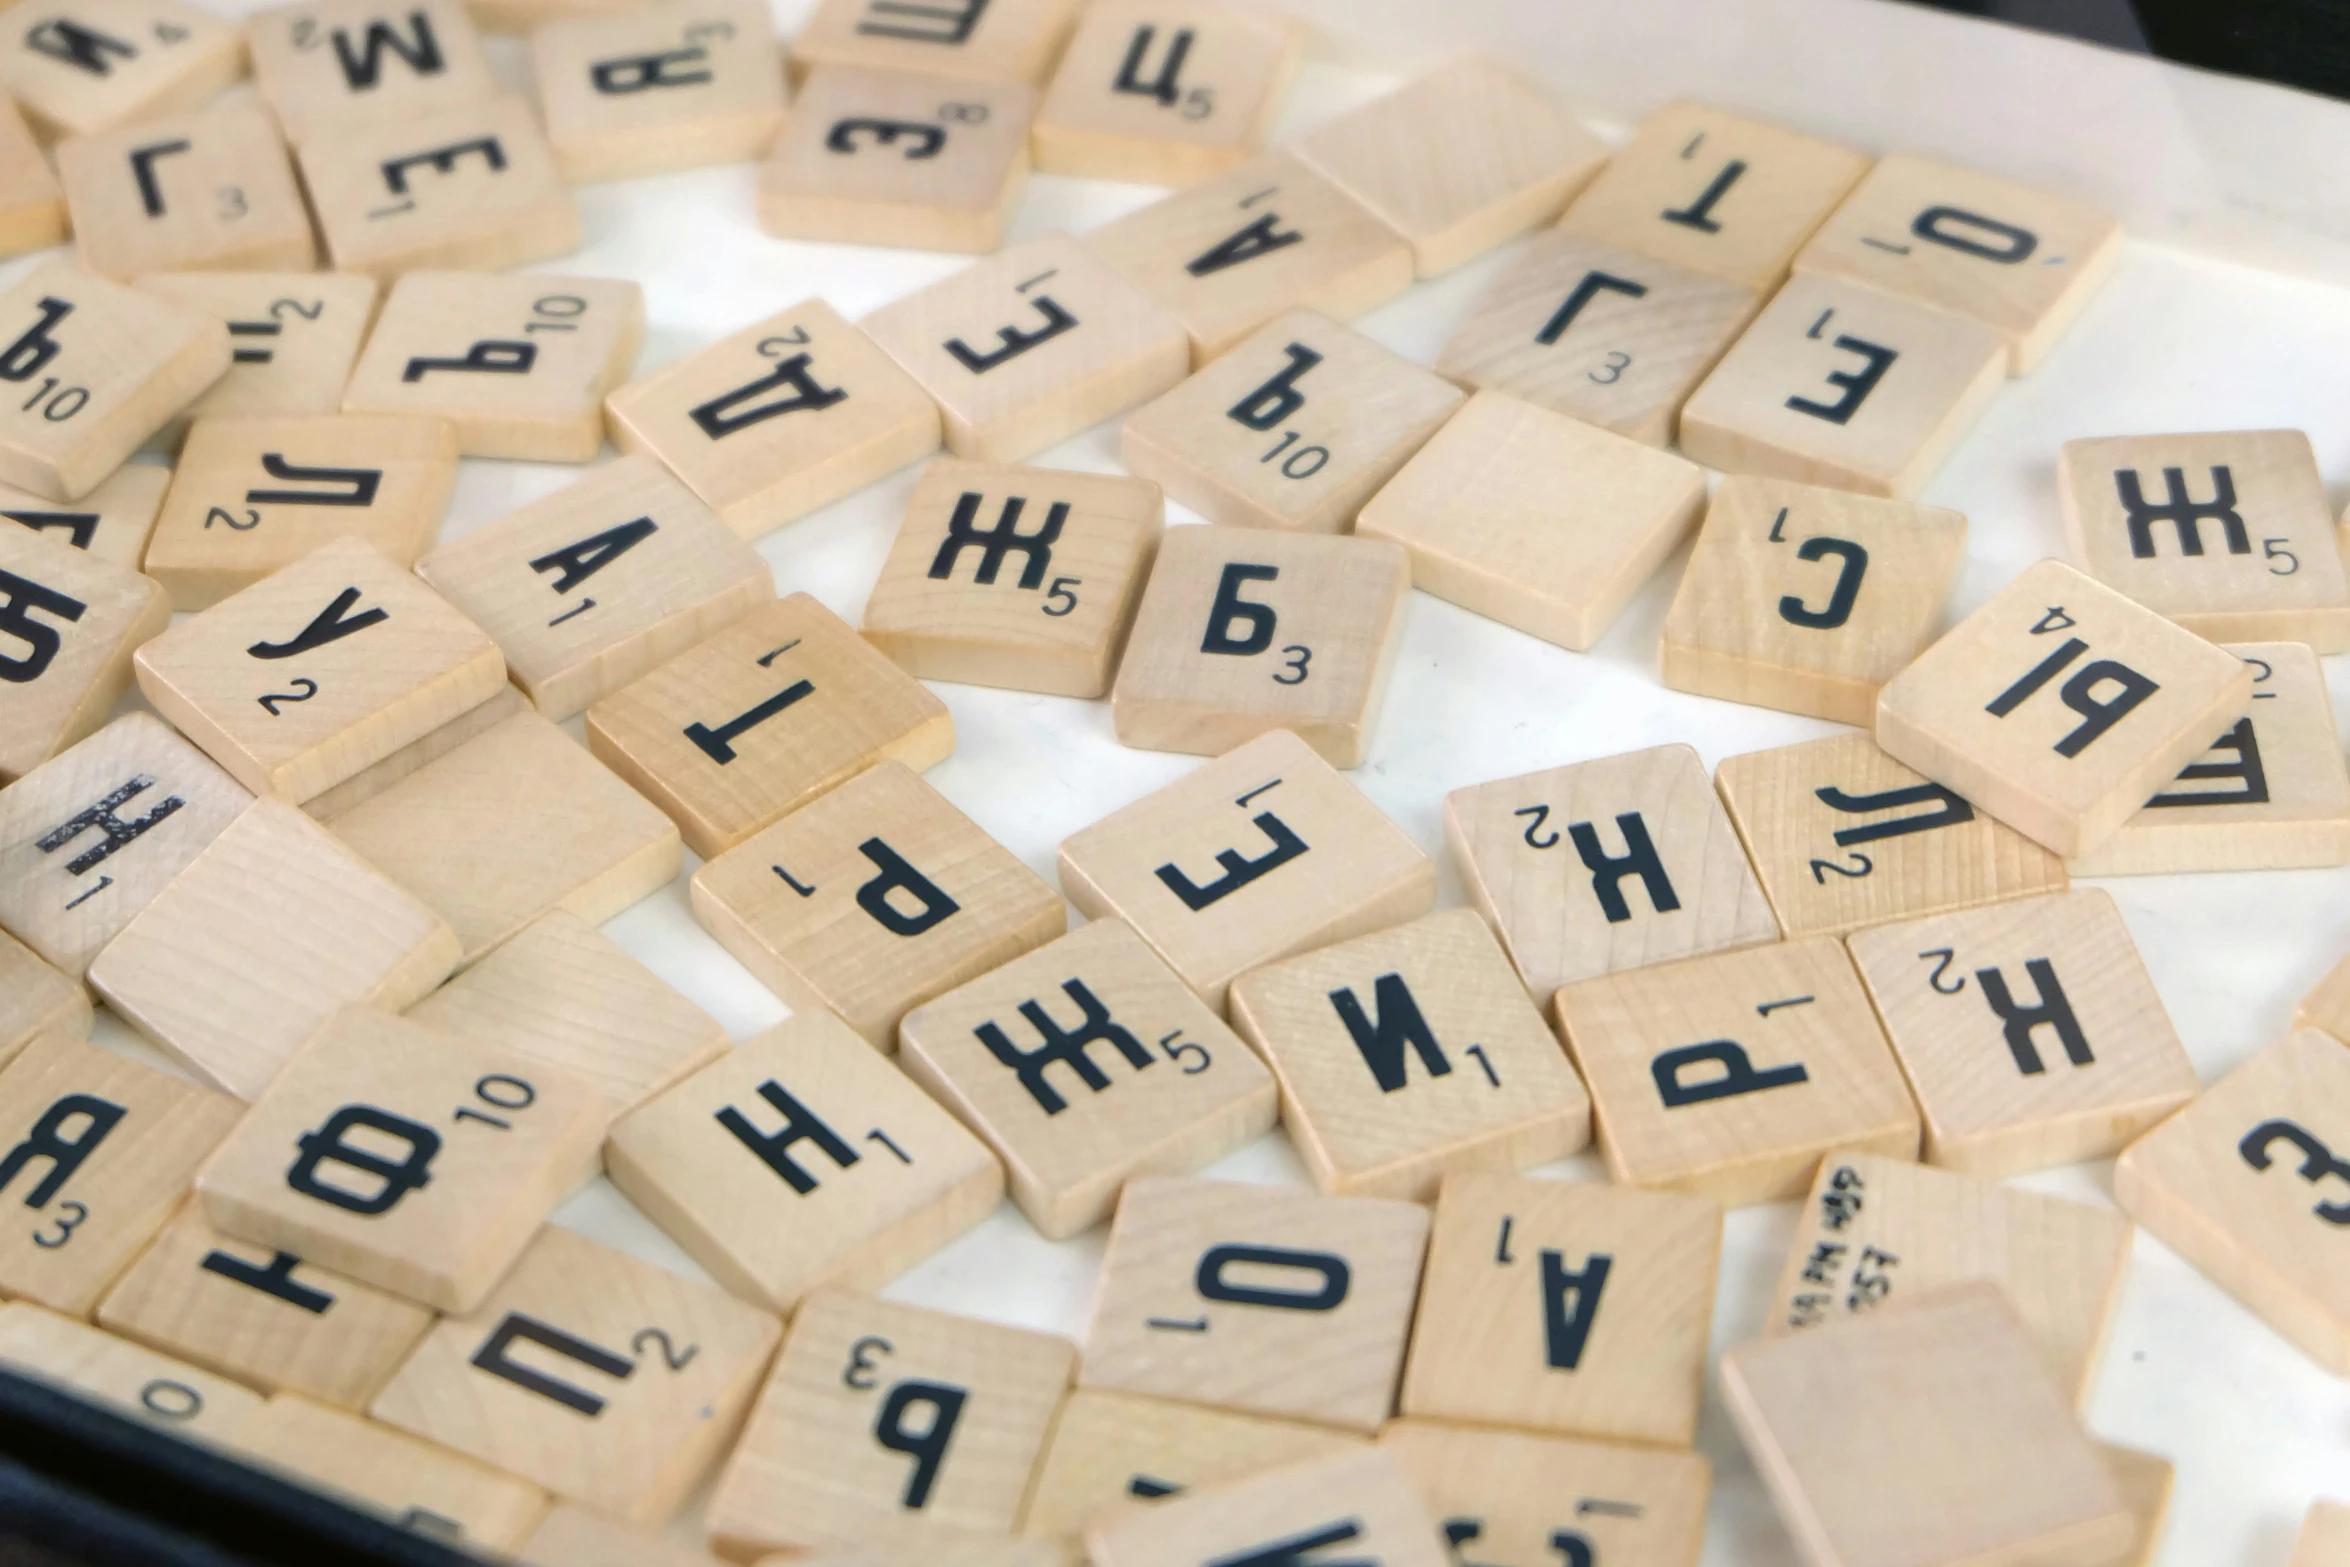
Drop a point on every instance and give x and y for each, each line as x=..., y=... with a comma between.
x=2325, y=1535
x=871, y=900
x=1729, y=196
x=656, y=90
x=32, y=205
x=1248, y=246
x=889, y=1422
x=1164, y=94
x=1729, y=1076
x=262, y=1316
x=78, y=67
x=699, y=738
x=968, y=40
x=332, y=67
x=1059, y=624
x=575, y=1536
x=2245, y=1183
x=376, y=777
x=123, y=1377
x=213, y=189
x=473, y=187
x=112, y=523
x=294, y=337
x=1167, y=864
x=1243, y=631
x=1808, y=600
x=1258, y=1299
x=697, y=416
x=887, y=158
x=69, y=629
x=520, y=365
x=2023, y=262
x=879, y=1174
x=1505, y=1497
x=1537, y=520
x=104, y=1149
x=2065, y=766
x=36, y=999
x=1361, y=1501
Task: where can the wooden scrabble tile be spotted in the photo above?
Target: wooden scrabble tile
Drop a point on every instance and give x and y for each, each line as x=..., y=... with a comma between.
x=2023, y=262
x=212, y=189
x=112, y=523
x=69, y=628
x=332, y=67
x=376, y=777
x=520, y=365
x=1534, y=519
x=252, y=496
x=1164, y=94
x=1341, y=1026
x=2069, y=766
x=1458, y=160
x=32, y=205
x=2245, y=1183
x=2003, y=1472
x=2327, y=1006
x=682, y=414
x=1675, y=1055
x=1804, y=814
x=871, y=900
x=1060, y=623
x=1167, y=863
x=514, y=824
x=2144, y=1482
x=1257, y=1299
x=1538, y=861
x=1205, y=254
x=1808, y=600
x=2266, y=569
x=1505, y=1497
x=523, y=17
x=1728, y=196
x=970, y=1550
x=576, y=1536
x=889, y=1422
x=262, y=1316
x=656, y=90
x=416, y=1485
x=2324, y=1540
x=474, y=187
x=1839, y=385
x=78, y=67
x=1220, y=654
x=1339, y=434
x=1363, y=1501
x=112, y=365
x=130, y=1380
x=105, y=1149
x=36, y=999
x=968, y=40
x=1023, y=349
x=294, y=336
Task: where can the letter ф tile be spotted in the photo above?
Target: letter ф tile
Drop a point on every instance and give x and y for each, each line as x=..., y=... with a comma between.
x=2325, y=1535
x=1982, y=710
x=1243, y=631
x=1729, y=1076
x=649, y=92
x=1808, y=600
x=333, y=67
x=294, y=336
x=967, y=40
x=1168, y=864
x=111, y=523
x=1508, y=1497
x=36, y=999
x=1537, y=520
x=878, y=1174
x=889, y=1423
x=70, y=627
x=739, y=731
x=131, y=1381
x=1164, y=94
x=1255, y=1299
x=100, y=1150
x=873, y=899
x=83, y=66
x=1361, y=1501
x=213, y=189
x=1342, y=1028
x=2249, y=1184
x=32, y=206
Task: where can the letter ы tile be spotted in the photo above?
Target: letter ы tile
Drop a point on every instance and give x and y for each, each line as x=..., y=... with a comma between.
x=873, y=899
x=2325, y=1536
x=1342, y=1028
x=36, y=999
x=1164, y=95
x=1808, y=600
x=2006, y=709
x=2021, y=261
x=654, y=91
x=720, y=419
x=1510, y=1497
x=738, y=731
x=101, y=1150
x=1255, y=1299
x=1362, y=1501
x=83, y=66
x=132, y=1381
x=576, y=1536
x=1534, y=519
x=70, y=627
x=2249, y=1184
x=332, y=67
x=1729, y=1076
x=1261, y=853
x=1243, y=631
x=878, y=1174
x=212, y=189
x=1928, y=1435
x=294, y=337
x=966, y=40
x=892, y=1423
x=32, y=206
x=1041, y=607
x=111, y=523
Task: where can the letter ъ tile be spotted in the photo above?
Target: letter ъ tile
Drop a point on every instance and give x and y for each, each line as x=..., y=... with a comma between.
x=654, y=91
x=966, y=40
x=1256, y=1299
x=333, y=67
x=1164, y=94
x=70, y=627
x=1808, y=600
x=1197, y=867
x=576, y=1536
x=100, y=1149
x=79, y=67
x=872, y=899
x=1410, y=1053
x=1729, y=1076
x=743, y=729
x=889, y=1422
x=132, y=1381
x=212, y=189
x=2249, y=1184
x=879, y=1175
x=1243, y=631
x=1508, y=1497
x=1359, y=1501
x=36, y=999
x=2006, y=709
x=112, y=523
x=2325, y=1536
x=32, y=205
x=294, y=337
